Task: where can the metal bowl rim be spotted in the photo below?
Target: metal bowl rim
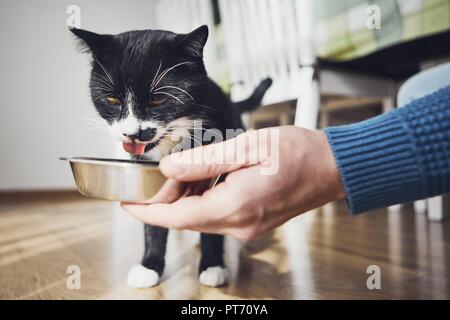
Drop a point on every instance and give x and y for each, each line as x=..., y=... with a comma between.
x=113, y=162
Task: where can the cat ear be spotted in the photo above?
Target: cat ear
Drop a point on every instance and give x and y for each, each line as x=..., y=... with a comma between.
x=92, y=42
x=194, y=42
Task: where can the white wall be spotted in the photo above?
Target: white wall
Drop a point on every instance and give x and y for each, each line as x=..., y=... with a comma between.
x=44, y=95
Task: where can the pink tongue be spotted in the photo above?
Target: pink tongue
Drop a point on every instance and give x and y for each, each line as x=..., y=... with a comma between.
x=134, y=148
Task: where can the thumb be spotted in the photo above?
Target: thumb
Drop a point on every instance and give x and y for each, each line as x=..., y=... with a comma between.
x=211, y=160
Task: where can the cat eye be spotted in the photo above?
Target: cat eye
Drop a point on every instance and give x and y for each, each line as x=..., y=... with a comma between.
x=113, y=101
x=157, y=101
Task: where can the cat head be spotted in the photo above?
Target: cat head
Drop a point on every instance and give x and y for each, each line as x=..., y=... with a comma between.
x=147, y=83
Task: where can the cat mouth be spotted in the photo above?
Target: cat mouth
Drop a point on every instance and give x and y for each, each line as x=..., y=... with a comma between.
x=135, y=148
x=138, y=148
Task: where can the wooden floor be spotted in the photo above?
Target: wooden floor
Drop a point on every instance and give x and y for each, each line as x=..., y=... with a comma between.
x=322, y=255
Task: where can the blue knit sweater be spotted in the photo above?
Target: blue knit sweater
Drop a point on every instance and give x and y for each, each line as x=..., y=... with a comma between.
x=400, y=156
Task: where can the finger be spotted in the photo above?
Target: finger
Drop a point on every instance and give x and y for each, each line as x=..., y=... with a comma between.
x=185, y=213
x=212, y=160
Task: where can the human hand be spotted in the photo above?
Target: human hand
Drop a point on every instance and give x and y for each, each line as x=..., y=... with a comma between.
x=248, y=202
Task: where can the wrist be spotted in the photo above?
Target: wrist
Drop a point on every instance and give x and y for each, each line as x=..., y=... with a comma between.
x=331, y=170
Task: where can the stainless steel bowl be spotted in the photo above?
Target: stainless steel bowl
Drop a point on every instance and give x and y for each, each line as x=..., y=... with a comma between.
x=113, y=179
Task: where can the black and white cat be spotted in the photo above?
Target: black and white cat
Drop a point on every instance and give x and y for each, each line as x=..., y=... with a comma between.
x=147, y=84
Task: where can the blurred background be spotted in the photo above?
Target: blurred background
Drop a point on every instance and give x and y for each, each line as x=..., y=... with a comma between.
x=332, y=62
x=46, y=108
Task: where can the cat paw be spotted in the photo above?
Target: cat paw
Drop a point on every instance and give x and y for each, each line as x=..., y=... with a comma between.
x=214, y=276
x=141, y=277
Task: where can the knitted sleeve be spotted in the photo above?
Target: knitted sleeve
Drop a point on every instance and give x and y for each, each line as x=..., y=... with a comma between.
x=400, y=156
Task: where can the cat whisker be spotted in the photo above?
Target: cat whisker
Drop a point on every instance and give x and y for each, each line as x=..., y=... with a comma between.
x=166, y=71
x=188, y=128
x=206, y=107
x=101, y=77
x=156, y=75
x=98, y=121
x=101, y=87
x=98, y=83
x=184, y=135
x=88, y=133
x=174, y=87
x=104, y=69
x=94, y=128
x=173, y=144
x=188, y=134
x=206, y=122
x=197, y=141
x=194, y=121
x=168, y=94
x=104, y=91
x=102, y=96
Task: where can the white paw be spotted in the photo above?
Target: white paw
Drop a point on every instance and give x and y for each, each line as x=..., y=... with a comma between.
x=214, y=276
x=141, y=277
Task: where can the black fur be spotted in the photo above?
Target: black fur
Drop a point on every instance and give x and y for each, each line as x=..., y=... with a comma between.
x=128, y=62
x=255, y=99
x=155, y=248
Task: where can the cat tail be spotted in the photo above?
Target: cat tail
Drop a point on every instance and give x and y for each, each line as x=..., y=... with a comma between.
x=255, y=99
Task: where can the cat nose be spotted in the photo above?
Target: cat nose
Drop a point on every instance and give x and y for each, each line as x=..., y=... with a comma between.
x=131, y=136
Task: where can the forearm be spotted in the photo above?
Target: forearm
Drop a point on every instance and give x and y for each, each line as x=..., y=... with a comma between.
x=397, y=157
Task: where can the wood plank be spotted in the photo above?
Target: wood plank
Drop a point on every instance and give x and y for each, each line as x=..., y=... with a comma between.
x=319, y=255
